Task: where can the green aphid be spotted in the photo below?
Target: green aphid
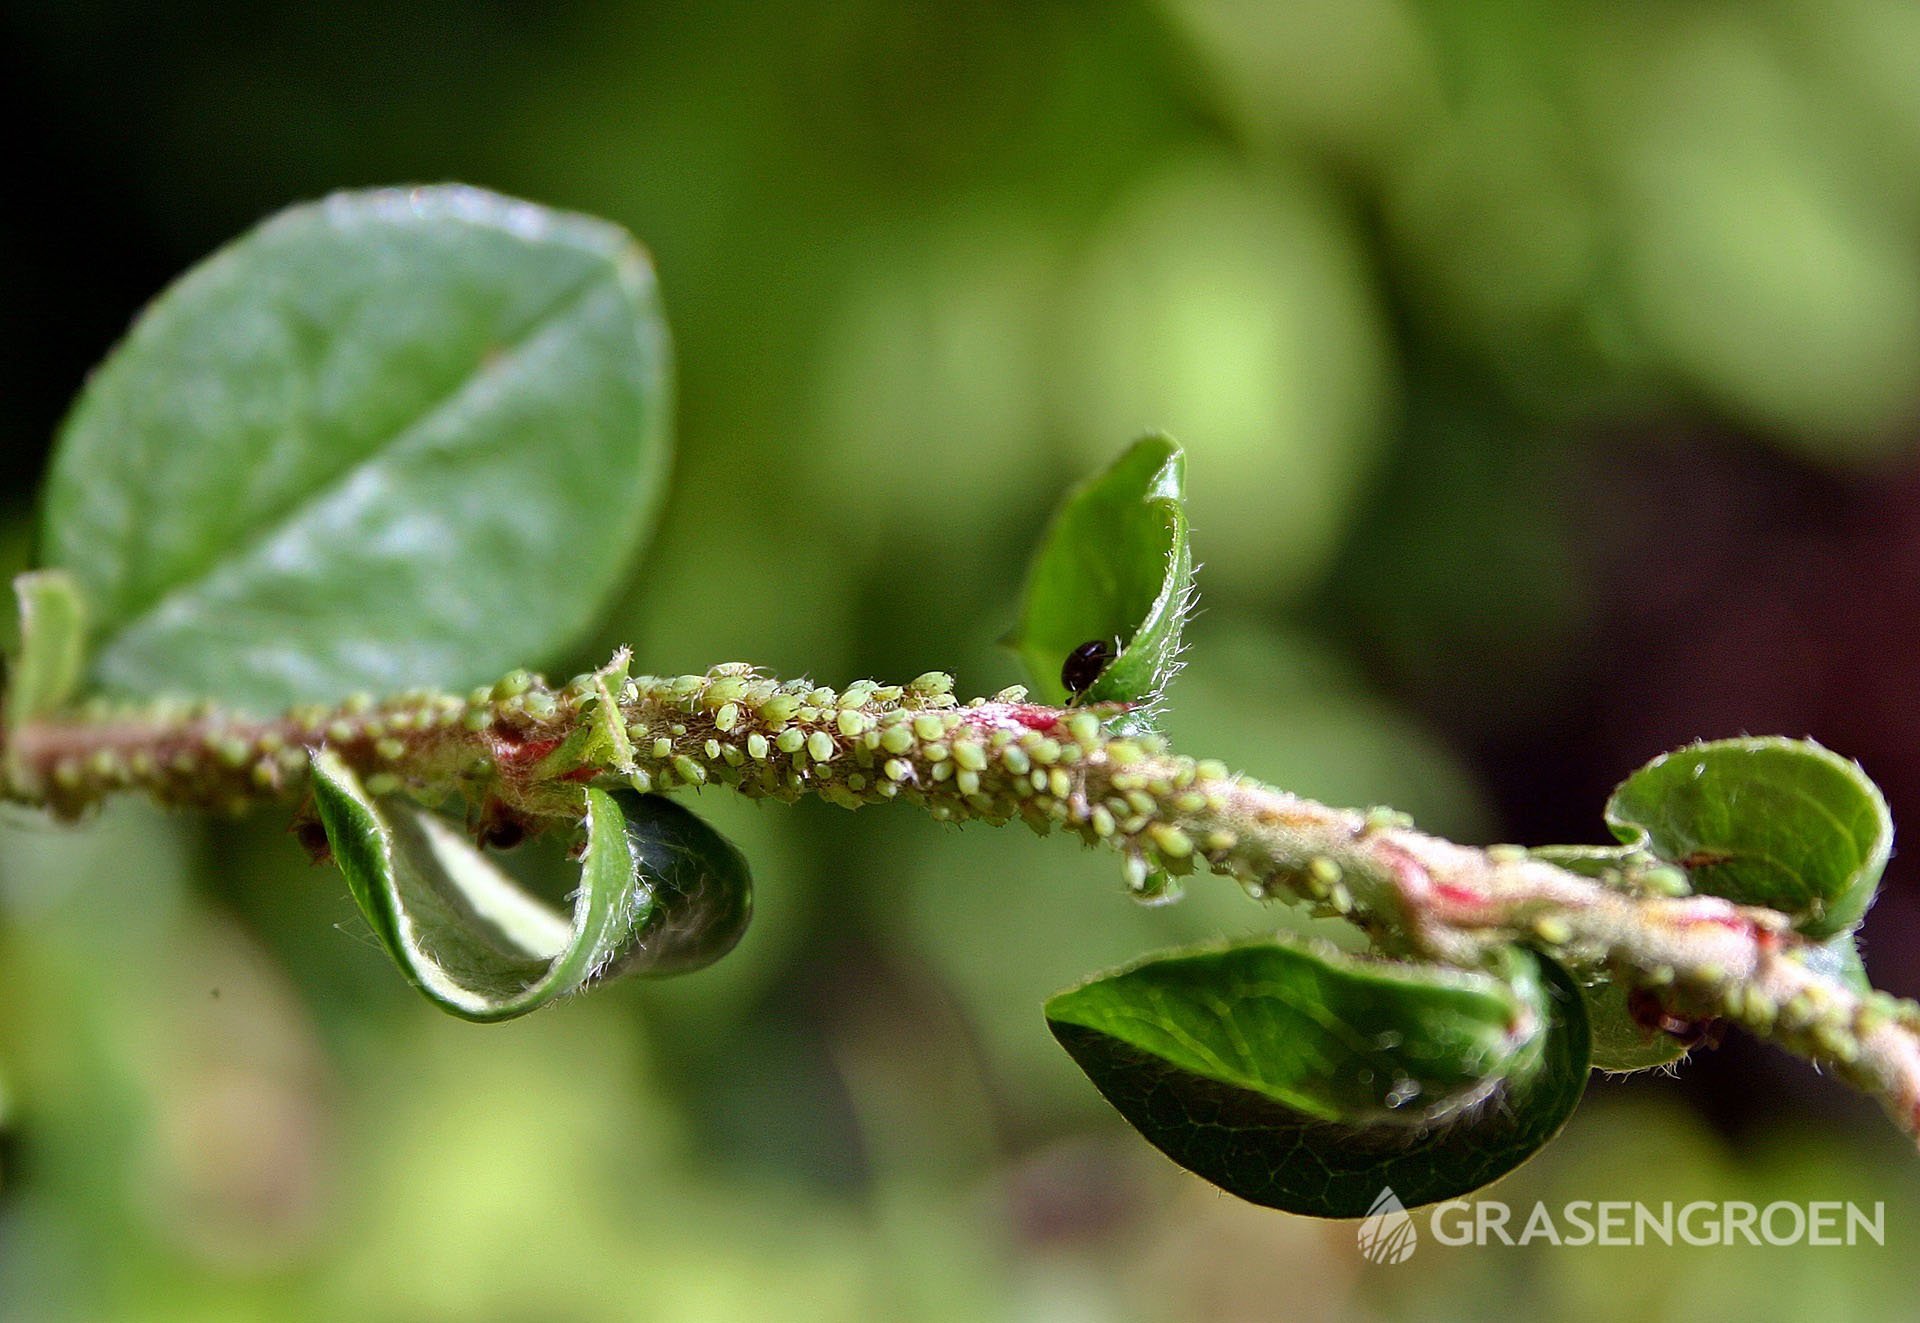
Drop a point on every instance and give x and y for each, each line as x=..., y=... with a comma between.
x=931, y=685
x=720, y=693
x=779, y=709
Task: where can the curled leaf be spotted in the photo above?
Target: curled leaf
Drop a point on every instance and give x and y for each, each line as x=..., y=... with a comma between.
x=1110, y=584
x=52, y=646
x=700, y=891
x=1309, y=1081
x=660, y=893
x=46, y=670
x=1776, y=822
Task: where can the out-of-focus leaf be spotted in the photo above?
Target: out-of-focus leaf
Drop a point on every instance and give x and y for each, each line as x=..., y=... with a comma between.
x=52, y=653
x=1775, y=822
x=1344, y=76
x=388, y=439
x=1309, y=1081
x=1115, y=568
x=660, y=894
x=1748, y=252
x=1230, y=303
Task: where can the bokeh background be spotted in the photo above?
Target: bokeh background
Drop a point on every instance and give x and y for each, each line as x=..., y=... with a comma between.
x=1550, y=374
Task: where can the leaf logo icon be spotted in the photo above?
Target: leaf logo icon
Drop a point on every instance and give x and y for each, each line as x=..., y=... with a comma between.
x=1387, y=1234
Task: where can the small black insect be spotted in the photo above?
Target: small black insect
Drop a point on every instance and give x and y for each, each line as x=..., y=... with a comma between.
x=313, y=839
x=505, y=834
x=1085, y=663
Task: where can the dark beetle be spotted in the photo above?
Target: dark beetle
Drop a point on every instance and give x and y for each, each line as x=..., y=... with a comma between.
x=1085, y=664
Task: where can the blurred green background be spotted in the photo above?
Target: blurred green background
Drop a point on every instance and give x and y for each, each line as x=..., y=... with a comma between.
x=1549, y=374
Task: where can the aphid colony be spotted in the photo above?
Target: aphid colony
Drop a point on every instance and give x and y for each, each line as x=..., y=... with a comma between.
x=994, y=759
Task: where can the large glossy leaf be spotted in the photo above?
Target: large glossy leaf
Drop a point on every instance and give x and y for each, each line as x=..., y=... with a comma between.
x=1308, y=1081
x=389, y=439
x=1775, y=822
x=660, y=892
x=1115, y=568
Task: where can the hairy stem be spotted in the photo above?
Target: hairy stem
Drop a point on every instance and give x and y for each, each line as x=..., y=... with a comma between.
x=518, y=751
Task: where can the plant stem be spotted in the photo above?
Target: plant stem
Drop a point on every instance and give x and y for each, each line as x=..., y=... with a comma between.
x=520, y=750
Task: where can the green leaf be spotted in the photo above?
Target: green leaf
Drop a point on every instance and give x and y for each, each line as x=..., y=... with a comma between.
x=52, y=645
x=1114, y=567
x=660, y=893
x=699, y=885
x=1774, y=822
x=389, y=439
x=1620, y=1042
x=1310, y=1081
